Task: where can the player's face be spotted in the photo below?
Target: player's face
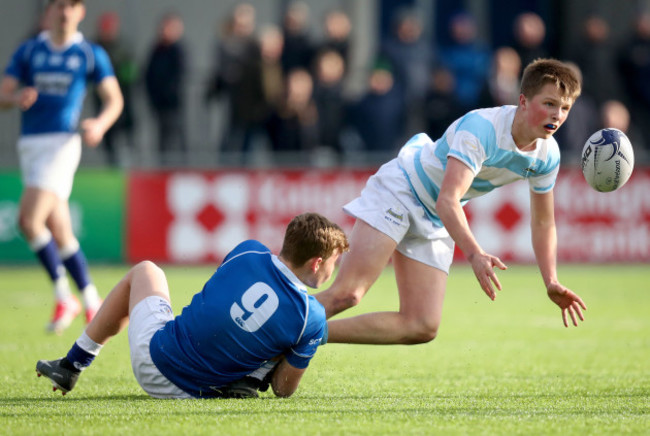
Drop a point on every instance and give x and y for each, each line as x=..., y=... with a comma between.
x=325, y=270
x=547, y=111
x=65, y=15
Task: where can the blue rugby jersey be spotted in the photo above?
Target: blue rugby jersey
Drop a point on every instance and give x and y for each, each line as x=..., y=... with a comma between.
x=60, y=75
x=252, y=309
x=482, y=140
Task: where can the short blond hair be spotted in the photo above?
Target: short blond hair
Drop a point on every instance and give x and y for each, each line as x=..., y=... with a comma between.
x=541, y=72
x=312, y=235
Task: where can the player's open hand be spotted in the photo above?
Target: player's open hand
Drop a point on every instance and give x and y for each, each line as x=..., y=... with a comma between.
x=569, y=302
x=26, y=97
x=92, y=131
x=483, y=265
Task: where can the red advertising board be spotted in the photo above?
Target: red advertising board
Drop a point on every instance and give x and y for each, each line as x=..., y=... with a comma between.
x=197, y=217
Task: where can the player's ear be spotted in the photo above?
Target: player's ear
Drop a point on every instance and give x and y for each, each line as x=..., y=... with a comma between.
x=314, y=264
x=522, y=100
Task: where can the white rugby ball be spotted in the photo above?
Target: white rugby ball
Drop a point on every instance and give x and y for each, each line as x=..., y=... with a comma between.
x=607, y=160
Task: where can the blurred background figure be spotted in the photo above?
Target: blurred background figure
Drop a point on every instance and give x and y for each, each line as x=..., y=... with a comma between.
x=164, y=79
x=411, y=58
x=467, y=58
x=595, y=56
x=126, y=71
x=530, y=35
x=238, y=78
x=442, y=107
x=614, y=113
x=337, y=34
x=329, y=99
x=634, y=64
x=379, y=116
x=502, y=83
x=298, y=49
x=294, y=127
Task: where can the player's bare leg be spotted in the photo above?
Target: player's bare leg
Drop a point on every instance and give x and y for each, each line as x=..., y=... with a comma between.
x=421, y=294
x=36, y=208
x=370, y=251
x=142, y=281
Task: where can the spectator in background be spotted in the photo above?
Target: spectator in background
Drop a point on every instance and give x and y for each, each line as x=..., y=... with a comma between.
x=634, y=63
x=502, y=84
x=239, y=78
x=467, y=58
x=530, y=35
x=595, y=56
x=337, y=34
x=379, y=115
x=271, y=46
x=164, y=77
x=614, y=113
x=329, y=99
x=294, y=127
x=411, y=59
x=298, y=49
x=442, y=106
x=108, y=37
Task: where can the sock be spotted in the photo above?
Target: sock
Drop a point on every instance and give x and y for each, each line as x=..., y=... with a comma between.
x=75, y=262
x=47, y=252
x=83, y=352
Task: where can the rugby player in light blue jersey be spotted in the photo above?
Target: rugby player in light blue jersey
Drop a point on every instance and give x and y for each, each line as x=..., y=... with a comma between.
x=253, y=321
x=46, y=78
x=411, y=209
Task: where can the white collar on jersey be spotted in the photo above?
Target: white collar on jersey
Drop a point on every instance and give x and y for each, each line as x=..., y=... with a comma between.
x=75, y=39
x=287, y=272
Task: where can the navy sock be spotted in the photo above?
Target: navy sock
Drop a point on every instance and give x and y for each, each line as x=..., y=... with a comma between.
x=78, y=268
x=79, y=358
x=49, y=257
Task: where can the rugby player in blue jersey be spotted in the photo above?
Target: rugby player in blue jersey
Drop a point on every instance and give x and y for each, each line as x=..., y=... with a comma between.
x=46, y=78
x=253, y=321
x=411, y=209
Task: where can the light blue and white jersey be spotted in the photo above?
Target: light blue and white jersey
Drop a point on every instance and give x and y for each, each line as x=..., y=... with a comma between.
x=482, y=140
x=60, y=75
x=251, y=310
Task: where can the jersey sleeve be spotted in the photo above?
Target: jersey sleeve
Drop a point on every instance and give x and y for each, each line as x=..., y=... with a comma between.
x=544, y=183
x=315, y=334
x=17, y=65
x=468, y=149
x=103, y=67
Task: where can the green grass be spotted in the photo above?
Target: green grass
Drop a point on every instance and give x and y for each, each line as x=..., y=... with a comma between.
x=504, y=367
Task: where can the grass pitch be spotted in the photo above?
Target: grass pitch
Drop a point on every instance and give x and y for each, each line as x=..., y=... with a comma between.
x=504, y=367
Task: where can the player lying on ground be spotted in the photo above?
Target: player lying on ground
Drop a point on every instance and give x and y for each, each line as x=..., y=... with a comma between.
x=253, y=318
x=411, y=209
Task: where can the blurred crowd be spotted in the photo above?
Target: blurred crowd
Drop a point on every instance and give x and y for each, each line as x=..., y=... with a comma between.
x=286, y=92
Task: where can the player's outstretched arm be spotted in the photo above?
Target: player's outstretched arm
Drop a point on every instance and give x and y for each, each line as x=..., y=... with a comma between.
x=457, y=180
x=286, y=379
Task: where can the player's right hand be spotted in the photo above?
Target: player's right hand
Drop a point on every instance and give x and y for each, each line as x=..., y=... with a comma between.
x=26, y=98
x=483, y=265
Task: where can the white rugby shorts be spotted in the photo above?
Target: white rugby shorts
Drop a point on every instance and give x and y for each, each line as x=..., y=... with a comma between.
x=388, y=204
x=147, y=317
x=49, y=161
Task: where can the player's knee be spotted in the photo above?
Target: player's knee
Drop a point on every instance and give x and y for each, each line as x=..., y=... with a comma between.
x=147, y=267
x=421, y=331
x=348, y=300
x=27, y=225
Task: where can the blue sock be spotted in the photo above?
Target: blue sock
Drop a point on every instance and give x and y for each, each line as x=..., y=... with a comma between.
x=78, y=268
x=79, y=358
x=49, y=257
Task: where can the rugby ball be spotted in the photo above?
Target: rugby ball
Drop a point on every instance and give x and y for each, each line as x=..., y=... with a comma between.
x=607, y=160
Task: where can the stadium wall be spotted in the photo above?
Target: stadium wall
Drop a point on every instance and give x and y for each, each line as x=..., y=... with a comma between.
x=192, y=217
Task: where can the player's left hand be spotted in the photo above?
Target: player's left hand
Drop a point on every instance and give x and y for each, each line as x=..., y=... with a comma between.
x=569, y=302
x=92, y=131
